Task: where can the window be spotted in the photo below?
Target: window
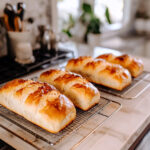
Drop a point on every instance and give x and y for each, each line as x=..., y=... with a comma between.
x=66, y=7
x=62, y=8
x=115, y=9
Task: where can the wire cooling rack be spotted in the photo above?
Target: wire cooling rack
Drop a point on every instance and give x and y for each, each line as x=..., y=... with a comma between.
x=137, y=87
x=53, y=139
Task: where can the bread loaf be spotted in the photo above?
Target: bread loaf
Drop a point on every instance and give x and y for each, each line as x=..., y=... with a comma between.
x=39, y=103
x=134, y=65
x=82, y=93
x=100, y=72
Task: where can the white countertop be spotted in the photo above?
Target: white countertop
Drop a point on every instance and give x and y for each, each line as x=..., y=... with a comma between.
x=116, y=133
x=121, y=130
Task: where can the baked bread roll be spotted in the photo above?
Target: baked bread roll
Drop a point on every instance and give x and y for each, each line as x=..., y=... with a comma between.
x=134, y=65
x=82, y=93
x=39, y=103
x=100, y=72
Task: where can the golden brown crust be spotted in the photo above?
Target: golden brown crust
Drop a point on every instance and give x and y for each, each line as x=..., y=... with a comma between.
x=23, y=90
x=107, y=57
x=123, y=58
x=116, y=72
x=85, y=88
x=94, y=64
x=52, y=131
x=78, y=89
x=56, y=109
x=40, y=100
x=135, y=66
x=68, y=77
x=12, y=84
x=35, y=97
x=50, y=72
x=80, y=60
x=101, y=72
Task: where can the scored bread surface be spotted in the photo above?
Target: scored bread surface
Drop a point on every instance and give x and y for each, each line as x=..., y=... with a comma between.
x=134, y=65
x=100, y=72
x=39, y=103
x=82, y=93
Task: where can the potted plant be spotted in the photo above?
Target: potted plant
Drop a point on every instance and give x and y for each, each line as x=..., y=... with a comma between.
x=88, y=24
x=93, y=31
x=92, y=24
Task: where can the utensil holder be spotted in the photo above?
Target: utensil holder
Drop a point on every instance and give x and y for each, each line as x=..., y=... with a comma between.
x=20, y=47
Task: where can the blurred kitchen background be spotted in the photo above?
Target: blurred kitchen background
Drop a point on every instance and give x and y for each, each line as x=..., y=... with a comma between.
x=118, y=24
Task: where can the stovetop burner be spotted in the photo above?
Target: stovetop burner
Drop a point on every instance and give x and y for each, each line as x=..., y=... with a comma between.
x=9, y=69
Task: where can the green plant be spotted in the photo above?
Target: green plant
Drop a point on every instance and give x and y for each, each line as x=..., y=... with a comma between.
x=107, y=15
x=89, y=19
x=94, y=26
x=87, y=13
x=70, y=25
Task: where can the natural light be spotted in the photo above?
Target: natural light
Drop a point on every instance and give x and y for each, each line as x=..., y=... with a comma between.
x=115, y=8
x=66, y=7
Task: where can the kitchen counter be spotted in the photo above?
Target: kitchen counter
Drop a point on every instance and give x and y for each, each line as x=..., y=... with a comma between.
x=123, y=128
x=116, y=133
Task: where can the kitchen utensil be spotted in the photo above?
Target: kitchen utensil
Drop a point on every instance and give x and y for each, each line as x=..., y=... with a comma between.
x=21, y=10
x=17, y=23
x=13, y=17
x=9, y=15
